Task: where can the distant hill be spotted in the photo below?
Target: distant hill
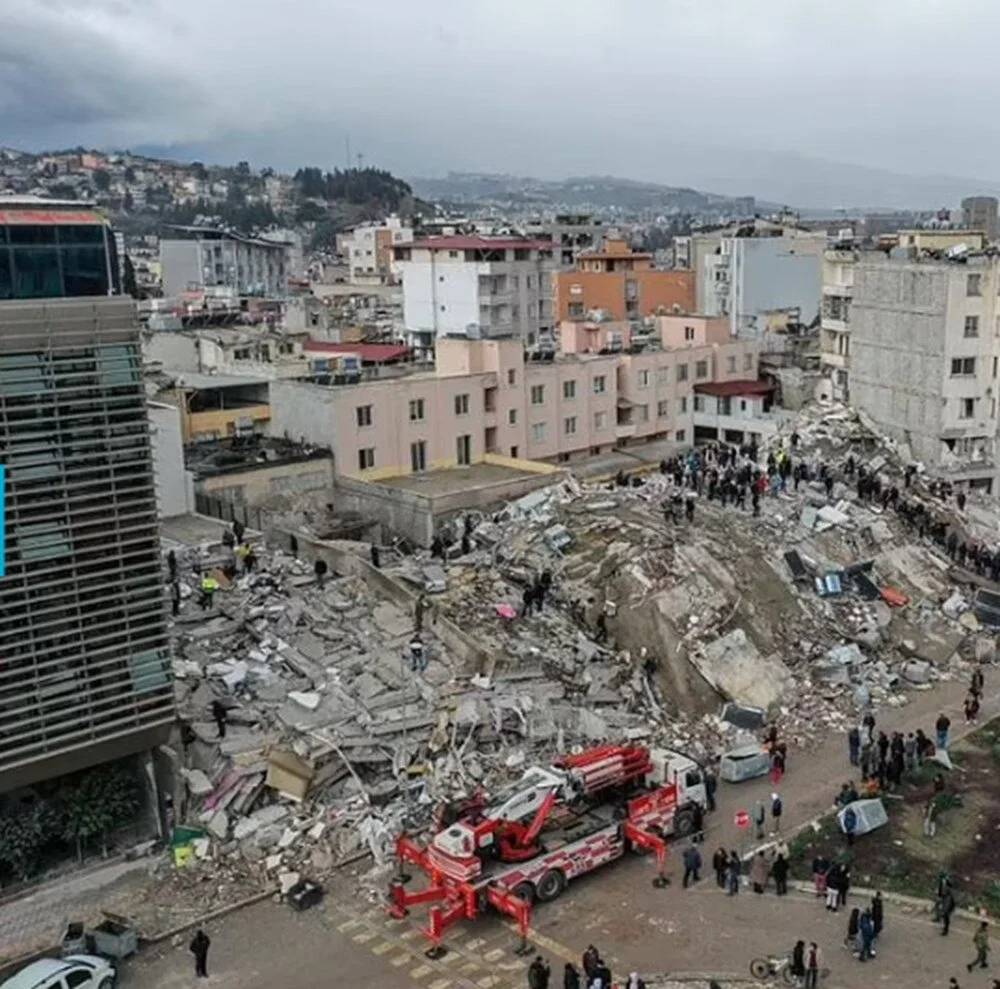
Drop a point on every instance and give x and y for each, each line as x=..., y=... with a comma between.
x=602, y=192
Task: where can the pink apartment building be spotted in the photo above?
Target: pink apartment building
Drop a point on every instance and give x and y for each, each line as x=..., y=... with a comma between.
x=601, y=390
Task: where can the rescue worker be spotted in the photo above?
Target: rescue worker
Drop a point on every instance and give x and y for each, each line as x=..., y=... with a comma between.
x=209, y=585
x=199, y=946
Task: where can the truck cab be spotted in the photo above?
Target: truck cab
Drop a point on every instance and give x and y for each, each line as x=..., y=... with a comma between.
x=672, y=769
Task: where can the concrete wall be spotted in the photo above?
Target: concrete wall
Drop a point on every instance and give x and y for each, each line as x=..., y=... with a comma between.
x=180, y=262
x=174, y=485
x=258, y=484
x=404, y=512
x=778, y=273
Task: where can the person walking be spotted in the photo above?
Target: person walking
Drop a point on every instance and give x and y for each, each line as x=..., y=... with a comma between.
x=780, y=872
x=981, y=942
x=538, y=974
x=692, y=865
x=941, y=726
x=812, y=966
x=733, y=871
x=720, y=862
x=199, y=946
x=776, y=809
x=946, y=907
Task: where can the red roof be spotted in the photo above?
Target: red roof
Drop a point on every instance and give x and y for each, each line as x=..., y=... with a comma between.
x=464, y=243
x=722, y=389
x=370, y=353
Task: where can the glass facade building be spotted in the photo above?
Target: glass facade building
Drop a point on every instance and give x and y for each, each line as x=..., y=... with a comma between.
x=84, y=659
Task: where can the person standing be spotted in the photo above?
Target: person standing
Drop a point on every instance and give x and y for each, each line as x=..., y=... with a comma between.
x=720, y=863
x=850, y=824
x=199, y=946
x=711, y=784
x=941, y=726
x=812, y=966
x=853, y=925
x=777, y=765
x=868, y=724
x=538, y=974
x=854, y=745
x=591, y=959
x=833, y=888
x=733, y=871
x=376, y=556
x=780, y=872
x=759, y=819
x=758, y=872
x=221, y=717
x=571, y=977
x=175, y=598
x=878, y=915
x=844, y=885
x=776, y=809
x=172, y=566
x=692, y=865
x=981, y=942
x=798, y=963
x=866, y=934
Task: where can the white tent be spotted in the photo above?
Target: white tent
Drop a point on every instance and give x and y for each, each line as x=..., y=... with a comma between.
x=870, y=815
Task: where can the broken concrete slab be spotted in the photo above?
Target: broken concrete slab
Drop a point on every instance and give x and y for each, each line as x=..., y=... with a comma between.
x=735, y=668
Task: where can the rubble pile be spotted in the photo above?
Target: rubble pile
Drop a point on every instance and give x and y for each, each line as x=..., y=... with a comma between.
x=686, y=634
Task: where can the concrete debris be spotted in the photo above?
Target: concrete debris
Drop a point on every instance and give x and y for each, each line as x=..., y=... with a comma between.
x=586, y=612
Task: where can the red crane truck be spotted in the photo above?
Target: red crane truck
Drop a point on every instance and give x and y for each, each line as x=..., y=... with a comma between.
x=528, y=841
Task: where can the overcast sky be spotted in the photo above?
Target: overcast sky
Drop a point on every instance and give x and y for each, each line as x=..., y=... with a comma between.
x=728, y=95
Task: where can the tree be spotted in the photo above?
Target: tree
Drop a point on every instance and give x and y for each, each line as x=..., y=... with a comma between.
x=199, y=170
x=130, y=286
x=62, y=190
x=310, y=212
x=22, y=837
x=243, y=169
x=98, y=802
x=101, y=180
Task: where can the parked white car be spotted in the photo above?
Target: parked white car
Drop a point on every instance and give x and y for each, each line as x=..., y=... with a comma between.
x=71, y=972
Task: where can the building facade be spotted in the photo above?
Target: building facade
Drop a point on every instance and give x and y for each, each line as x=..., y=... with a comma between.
x=599, y=392
x=980, y=213
x=924, y=355
x=570, y=234
x=476, y=286
x=835, y=317
x=368, y=251
x=85, y=676
x=214, y=262
x=621, y=283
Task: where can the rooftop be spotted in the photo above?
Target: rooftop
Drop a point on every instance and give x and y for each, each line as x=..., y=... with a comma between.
x=473, y=243
x=722, y=389
x=452, y=480
x=39, y=211
x=199, y=380
x=216, y=233
x=370, y=353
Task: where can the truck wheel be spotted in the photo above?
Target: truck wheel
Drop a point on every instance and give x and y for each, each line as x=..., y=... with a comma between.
x=683, y=823
x=525, y=891
x=551, y=885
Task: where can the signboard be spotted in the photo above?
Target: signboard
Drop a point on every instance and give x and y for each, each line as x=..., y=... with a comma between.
x=742, y=819
x=3, y=520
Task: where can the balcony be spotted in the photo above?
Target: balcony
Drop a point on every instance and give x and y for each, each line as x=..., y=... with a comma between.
x=624, y=431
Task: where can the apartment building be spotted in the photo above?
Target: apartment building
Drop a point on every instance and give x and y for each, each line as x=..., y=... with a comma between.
x=621, y=283
x=570, y=234
x=219, y=263
x=85, y=672
x=368, y=248
x=835, y=338
x=980, y=213
x=924, y=354
x=257, y=353
x=601, y=390
x=476, y=286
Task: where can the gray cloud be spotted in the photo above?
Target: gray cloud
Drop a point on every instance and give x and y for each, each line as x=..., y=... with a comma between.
x=728, y=96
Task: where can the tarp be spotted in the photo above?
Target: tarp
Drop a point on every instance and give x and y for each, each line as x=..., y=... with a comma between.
x=870, y=815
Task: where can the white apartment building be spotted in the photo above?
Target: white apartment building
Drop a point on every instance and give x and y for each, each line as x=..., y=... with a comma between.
x=260, y=354
x=368, y=250
x=476, y=286
x=924, y=354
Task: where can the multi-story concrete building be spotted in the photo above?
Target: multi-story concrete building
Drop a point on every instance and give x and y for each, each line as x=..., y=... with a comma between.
x=980, y=213
x=476, y=286
x=623, y=284
x=85, y=672
x=761, y=267
x=600, y=391
x=835, y=337
x=924, y=354
x=570, y=234
x=215, y=262
x=367, y=249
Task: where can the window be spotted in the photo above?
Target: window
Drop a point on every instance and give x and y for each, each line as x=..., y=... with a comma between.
x=512, y=417
x=682, y=372
x=513, y=452
x=688, y=332
x=643, y=379
x=511, y=377
x=537, y=394
x=971, y=326
x=538, y=432
x=966, y=408
x=680, y=436
x=994, y=367
x=747, y=362
x=600, y=420
x=569, y=425
x=701, y=369
x=599, y=384
x=418, y=456
x=963, y=366
x=463, y=450
x=972, y=284
x=682, y=404
x=515, y=282
x=364, y=414
x=80, y=977
x=461, y=405
x=569, y=390
x=527, y=278
x=366, y=458
x=663, y=409
x=699, y=403
x=731, y=364
x=642, y=413
x=575, y=310
x=416, y=410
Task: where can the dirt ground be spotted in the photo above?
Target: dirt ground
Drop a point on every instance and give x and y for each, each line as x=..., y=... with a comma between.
x=901, y=858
